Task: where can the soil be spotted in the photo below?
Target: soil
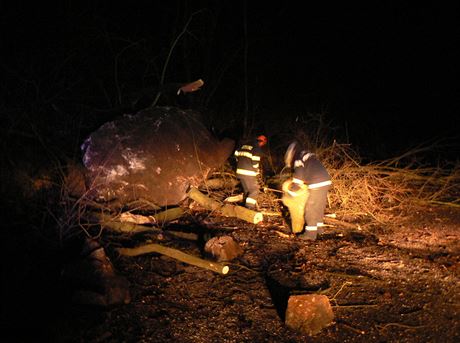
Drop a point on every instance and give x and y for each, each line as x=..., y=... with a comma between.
x=397, y=283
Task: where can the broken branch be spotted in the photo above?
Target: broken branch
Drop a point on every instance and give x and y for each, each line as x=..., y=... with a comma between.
x=135, y=227
x=176, y=254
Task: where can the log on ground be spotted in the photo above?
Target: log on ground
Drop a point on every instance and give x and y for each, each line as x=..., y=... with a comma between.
x=226, y=210
x=176, y=254
x=116, y=224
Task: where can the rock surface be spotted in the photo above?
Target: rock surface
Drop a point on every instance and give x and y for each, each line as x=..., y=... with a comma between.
x=93, y=278
x=309, y=313
x=154, y=155
x=223, y=248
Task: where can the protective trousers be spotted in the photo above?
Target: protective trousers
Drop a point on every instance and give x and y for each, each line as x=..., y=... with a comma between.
x=314, y=211
x=251, y=189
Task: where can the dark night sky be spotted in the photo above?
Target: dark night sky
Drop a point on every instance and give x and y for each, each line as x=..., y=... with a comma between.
x=385, y=69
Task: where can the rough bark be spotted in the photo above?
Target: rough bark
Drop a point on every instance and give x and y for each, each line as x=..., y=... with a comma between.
x=309, y=313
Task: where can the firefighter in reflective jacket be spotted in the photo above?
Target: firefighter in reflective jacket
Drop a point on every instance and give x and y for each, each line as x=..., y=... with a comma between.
x=305, y=193
x=248, y=169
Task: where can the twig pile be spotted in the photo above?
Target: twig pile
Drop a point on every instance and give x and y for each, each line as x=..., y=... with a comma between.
x=382, y=190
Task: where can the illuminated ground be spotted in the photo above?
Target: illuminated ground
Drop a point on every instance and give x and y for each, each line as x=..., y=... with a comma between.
x=398, y=284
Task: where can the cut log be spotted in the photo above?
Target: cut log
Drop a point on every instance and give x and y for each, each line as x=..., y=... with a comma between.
x=158, y=218
x=128, y=217
x=123, y=227
x=176, y=254
x=226, y=210
x=133, y=224
x=203, y=200
x=235, y=198
x=241, y=212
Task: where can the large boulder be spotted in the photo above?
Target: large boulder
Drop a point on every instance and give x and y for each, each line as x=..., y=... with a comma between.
x=154, y=155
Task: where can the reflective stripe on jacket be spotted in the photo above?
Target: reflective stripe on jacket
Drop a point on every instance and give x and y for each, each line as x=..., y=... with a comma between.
x=309, y=170
x=248, y=157
x=312, y=185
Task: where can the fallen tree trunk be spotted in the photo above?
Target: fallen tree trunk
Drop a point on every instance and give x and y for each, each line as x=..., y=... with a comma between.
x=134, y=223
x=176, y=254
x=115, y=224
x=226, y=210
x=242, y=213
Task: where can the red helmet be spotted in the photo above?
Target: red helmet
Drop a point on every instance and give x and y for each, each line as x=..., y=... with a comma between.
x=262, y=140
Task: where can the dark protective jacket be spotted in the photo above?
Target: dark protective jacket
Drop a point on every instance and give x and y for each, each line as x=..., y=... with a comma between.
x=248, y=158
x=309, y=170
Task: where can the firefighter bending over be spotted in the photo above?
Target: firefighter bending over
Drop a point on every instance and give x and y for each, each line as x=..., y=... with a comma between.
x=305, y=194
x=249, y=158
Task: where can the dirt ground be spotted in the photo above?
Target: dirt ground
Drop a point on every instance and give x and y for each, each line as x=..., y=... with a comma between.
x=386, y=284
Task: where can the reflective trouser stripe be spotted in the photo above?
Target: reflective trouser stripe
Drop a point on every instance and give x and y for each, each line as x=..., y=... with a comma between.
x=297, y=181
x=320, y=224
x=251, y=201
x=320, y=184
x=246, y=172
x=311, y=228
